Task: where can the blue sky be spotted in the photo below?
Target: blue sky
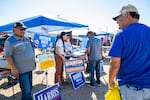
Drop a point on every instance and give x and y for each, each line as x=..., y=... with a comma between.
x=95, y=13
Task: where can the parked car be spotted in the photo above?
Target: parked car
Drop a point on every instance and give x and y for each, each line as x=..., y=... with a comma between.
x=76, y=41
x=2, y=42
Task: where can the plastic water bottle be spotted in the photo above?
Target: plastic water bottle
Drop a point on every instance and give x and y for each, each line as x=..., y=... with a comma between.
x=101, y=66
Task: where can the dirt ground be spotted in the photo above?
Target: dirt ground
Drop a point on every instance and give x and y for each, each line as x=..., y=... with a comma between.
x=9, y=92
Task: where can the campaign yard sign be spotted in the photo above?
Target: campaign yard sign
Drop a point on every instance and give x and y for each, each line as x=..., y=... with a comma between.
x=77, y=79
x=44, y=42
x=50, y=93
x=46, y=61
x=74, y=66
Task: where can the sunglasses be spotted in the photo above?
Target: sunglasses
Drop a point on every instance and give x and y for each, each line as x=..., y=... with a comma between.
x=22, y=29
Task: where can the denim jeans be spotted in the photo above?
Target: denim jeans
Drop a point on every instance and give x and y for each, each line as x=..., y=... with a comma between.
x=25, y=81
x=130, y=94
x=94, y=65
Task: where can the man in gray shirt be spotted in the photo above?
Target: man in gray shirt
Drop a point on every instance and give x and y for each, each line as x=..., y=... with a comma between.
x=94, y=51
x=20, y=57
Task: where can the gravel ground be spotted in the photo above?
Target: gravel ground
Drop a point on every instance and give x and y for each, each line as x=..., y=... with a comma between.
x=9, y=92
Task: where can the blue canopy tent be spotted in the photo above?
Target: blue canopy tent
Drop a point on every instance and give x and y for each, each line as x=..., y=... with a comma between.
x=104, y=34
x=42, y=24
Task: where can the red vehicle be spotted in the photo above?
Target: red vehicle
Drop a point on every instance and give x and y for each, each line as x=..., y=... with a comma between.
x=2, y=42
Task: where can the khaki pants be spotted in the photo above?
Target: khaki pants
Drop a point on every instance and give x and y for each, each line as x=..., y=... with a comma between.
x=59, y=69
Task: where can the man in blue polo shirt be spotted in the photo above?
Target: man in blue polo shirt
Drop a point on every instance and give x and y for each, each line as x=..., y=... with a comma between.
x=20, y=57
x=130, y=52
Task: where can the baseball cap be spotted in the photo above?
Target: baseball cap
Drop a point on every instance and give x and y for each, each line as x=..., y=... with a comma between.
x=124, y=9
x=19, y=25
x=90, y=32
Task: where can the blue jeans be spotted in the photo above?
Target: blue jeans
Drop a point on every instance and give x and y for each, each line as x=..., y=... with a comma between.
x=25, y=81
x=94, y=65
x=130, y=94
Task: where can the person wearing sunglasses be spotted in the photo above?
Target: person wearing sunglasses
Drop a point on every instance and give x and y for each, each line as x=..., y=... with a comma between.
x=19, y=54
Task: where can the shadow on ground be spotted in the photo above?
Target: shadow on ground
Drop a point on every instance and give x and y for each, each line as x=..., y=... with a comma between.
x=83, y=93
x=68, y=93
x=12, y=97
x=39, y=72
x=17, y=96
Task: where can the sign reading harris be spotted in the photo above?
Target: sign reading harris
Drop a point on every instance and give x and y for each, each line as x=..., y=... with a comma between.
x=44, y=42
x=50, y=93
x=74, y=66
x=77, y=79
